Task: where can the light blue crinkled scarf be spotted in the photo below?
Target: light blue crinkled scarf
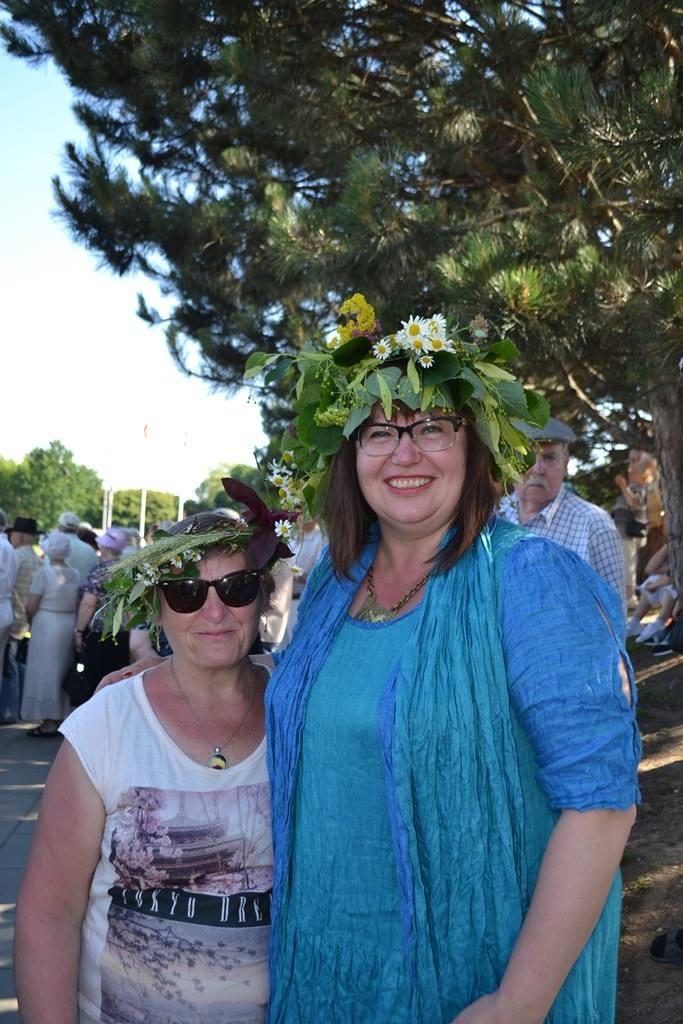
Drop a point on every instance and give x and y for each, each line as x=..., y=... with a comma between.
x=469, y=821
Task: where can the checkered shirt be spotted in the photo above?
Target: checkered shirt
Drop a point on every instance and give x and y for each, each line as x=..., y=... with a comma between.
x=581, y=526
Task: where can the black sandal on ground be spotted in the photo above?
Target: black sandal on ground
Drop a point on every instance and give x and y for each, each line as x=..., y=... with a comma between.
x=39, y=733
x=668, y=948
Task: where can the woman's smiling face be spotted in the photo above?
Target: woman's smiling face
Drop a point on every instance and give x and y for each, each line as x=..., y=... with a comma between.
x=412, y=491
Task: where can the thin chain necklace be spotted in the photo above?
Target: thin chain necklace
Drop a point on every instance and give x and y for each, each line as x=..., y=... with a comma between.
x=372, y=611
x=218, y=759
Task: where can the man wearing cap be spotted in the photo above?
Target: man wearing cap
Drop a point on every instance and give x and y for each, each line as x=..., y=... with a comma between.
x=23, y=534
x=8, y=575
x=544, y=505
x=82, y=557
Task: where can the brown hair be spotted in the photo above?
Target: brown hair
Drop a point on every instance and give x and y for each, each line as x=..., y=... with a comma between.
x=348, y=516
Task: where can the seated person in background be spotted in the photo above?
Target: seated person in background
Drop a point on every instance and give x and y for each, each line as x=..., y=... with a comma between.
x=656, y=591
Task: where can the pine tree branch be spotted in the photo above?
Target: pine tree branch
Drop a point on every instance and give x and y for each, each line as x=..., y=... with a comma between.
x=631, y=438
x=670, y=43
x=422, y=13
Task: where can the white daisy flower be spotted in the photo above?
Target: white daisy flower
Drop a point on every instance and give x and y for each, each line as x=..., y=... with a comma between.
x=381, y=349
x=278, y=474
x=418, y=345
x=283, y=529
x=148, y=574
x=333, y=342
x=278, y=479
x=414, y=335
x=287, y=495
x=177, y=561
x=426, y=361
x=296, y=570
x=436, y=326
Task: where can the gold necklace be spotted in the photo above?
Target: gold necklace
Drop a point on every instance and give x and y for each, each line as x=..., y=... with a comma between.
x=217, y=760
x=372, y=611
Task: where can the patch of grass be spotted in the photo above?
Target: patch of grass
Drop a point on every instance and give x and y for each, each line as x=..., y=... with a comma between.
x=638, y=886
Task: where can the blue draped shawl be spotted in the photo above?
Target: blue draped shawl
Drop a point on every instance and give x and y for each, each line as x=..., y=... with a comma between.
x=477, y=733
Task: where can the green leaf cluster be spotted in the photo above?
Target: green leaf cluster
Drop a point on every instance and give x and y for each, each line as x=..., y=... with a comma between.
x=334, y=391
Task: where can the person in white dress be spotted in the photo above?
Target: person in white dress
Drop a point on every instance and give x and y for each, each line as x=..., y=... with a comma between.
x=51, y=609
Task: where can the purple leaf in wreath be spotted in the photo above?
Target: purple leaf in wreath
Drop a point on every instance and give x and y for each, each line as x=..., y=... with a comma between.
x=265, y=546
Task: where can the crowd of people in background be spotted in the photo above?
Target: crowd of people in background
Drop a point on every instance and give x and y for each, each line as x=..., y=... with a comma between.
x=52, y=591
x=50, y=588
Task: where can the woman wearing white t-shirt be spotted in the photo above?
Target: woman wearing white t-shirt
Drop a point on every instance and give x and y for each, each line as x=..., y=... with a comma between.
x=147, y=892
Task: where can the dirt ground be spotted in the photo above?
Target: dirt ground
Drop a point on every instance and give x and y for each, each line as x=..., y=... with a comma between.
x=653, y=862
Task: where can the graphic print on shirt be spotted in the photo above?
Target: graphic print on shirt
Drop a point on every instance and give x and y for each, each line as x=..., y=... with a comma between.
x=187, y=935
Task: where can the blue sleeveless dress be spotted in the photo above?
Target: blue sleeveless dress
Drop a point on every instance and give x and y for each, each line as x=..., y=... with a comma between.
x=341, y=807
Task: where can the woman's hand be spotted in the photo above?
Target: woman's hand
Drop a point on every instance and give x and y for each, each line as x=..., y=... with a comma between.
x=130, y=670
x=489, y=1010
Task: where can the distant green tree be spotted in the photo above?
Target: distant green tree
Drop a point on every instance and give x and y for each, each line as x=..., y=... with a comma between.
x=48, y=482
x=159, y=505
x=8, y=470
x=210, y=494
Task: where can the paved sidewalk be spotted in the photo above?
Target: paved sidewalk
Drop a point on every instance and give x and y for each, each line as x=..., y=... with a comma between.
x=24, y=764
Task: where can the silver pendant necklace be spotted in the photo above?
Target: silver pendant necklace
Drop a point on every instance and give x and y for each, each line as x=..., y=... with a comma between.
x=218, y=759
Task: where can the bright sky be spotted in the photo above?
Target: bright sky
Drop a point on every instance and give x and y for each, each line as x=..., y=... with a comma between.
x=78, y=365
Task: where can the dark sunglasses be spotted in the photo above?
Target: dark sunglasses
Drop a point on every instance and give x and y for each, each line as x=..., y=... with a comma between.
x=236, y=590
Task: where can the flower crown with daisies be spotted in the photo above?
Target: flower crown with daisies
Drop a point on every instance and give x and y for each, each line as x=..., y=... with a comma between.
x=133, y=596
x=423, y=365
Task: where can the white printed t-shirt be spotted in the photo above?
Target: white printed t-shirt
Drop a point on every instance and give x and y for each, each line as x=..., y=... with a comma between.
x=176, y=929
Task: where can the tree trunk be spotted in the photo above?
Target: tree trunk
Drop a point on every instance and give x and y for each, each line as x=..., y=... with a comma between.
x=666, y=405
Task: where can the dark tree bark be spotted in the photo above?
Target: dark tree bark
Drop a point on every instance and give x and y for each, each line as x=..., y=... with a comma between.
x=667, y=414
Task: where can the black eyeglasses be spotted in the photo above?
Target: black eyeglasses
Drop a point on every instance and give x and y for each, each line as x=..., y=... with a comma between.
x=236, y=590
x=433, y=434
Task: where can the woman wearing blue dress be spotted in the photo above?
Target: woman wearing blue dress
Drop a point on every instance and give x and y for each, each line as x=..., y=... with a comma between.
x=453, y=747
